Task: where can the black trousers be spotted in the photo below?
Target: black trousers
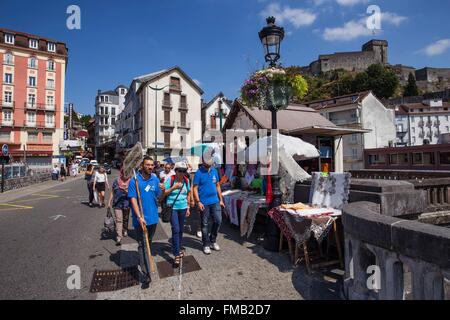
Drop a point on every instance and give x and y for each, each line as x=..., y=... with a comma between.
x=144, y=261
x=90, y=187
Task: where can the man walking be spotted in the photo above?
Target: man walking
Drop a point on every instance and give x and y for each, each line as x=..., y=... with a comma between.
x=167, y=173
x=208, y=196
x=149, y=191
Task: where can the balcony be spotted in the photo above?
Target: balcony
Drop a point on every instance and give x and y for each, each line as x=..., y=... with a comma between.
x=50, y=107
x=8, y=62
x=175, y=87
x=437, y=123
x=420, y=124
x=183, y=107
x=31, y=105
x=7, y=123
x=429, y=123
x=166, y=105
x=50, y=125
x=7, y=104
x=168, y=124
x=184, y=125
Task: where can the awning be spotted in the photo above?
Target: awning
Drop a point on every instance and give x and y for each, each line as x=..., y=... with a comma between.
x=330, y=131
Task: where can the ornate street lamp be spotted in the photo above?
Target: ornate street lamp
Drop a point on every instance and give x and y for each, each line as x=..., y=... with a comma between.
x=271, y=37
x=277, y=97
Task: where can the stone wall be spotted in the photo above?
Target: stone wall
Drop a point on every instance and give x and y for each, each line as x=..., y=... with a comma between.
x=391, y=258
x=16, y=183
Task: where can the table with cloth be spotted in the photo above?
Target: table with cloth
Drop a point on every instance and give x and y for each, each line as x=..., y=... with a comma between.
x=242, y=208
x=328, y=194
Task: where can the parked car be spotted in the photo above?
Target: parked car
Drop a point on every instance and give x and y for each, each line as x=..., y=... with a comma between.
x=108, y=168
x=95, y=164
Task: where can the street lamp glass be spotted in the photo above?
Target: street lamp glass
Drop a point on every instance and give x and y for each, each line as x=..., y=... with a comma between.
x=271, y=37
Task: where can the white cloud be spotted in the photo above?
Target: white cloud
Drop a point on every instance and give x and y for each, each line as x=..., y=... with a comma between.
x=350, y=2
x=358, y=28
x=296, y=16
x=437, y=48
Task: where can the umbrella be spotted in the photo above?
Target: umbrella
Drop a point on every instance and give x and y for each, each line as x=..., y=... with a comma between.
x=291, y=146
x=199, y=149
x=175, y=159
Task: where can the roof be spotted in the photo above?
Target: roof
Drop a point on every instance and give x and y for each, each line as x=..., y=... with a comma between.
x=404, y=108
x=159, y=74
x=295, y=118
x=219, y=95
x=28, y=35
x=343, y=100
x=109, y=92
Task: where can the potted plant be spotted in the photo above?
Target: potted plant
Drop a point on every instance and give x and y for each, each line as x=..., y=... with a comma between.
x=273, y=88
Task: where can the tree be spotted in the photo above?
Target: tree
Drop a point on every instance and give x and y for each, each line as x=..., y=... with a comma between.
x=411, y=87
x=85, y=120
x=382, y=81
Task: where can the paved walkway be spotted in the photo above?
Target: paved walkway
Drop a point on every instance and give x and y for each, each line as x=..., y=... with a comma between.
x=241, y=270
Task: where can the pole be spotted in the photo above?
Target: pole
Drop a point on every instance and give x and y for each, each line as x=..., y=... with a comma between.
x=275, y=178
x=3, y=176
x=156, y=123
x=144, y=227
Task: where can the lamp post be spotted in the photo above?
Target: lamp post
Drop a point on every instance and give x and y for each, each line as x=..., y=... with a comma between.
x=271, y=37
x=156, y=89
x=219, y=114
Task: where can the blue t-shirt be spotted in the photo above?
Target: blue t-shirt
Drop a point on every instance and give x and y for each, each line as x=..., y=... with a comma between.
x=207, y=182
x=182, y=202
x=149, y=191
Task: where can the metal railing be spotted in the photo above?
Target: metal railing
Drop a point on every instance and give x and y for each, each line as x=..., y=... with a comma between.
x=167, y=123
x=186, y=125
x=7, y=104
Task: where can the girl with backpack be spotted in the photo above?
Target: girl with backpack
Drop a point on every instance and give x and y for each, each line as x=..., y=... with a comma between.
x=178, y=194
x=118, y=200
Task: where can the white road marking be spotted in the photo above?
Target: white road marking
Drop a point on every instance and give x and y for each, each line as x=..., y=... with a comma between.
x=57, y=217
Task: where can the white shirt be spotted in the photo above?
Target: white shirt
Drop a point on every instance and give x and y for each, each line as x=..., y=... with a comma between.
x=163, y=175
x=100, y=177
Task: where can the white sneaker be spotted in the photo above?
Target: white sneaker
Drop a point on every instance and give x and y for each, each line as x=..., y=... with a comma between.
x=215, y=246
x=206, y=250
x=199, y=234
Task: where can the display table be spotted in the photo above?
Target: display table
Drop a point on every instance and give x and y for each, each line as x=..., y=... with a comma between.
x=299, y=225
x=242, y=208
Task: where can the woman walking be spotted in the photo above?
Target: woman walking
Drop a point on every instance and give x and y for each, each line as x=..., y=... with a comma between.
x=63, y=172
x=178, y=193
x=88, y=176
x=100, y=184
x=118, y=200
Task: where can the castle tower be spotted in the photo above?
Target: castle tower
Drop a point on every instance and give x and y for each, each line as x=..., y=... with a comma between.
x=379, y=48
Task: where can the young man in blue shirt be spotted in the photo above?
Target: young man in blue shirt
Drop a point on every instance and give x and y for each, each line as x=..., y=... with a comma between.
x=150, y=190
x=208, y=196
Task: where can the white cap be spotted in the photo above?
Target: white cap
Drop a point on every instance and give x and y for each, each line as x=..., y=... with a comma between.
x=180, y=165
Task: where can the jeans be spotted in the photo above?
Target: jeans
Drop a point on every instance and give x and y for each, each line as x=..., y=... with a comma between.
x=177, y=221
x=214, y=211
x=144, y=261
x=90, y=187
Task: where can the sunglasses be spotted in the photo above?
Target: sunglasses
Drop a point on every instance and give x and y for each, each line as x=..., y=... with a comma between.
x=182, y=170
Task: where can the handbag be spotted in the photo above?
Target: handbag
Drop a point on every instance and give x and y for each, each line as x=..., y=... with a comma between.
x=167, y=209
x=109, y=223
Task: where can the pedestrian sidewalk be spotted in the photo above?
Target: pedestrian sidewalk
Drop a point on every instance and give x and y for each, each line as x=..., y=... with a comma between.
x=240, y=270
x=15, y=194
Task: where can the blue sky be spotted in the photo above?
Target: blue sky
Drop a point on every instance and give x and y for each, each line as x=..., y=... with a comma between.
x=216, y=41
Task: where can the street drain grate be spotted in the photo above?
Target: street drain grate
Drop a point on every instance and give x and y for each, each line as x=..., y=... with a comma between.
x=112, y=280
x=165, y=268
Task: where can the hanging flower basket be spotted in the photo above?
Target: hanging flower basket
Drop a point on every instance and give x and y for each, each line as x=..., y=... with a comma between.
x=273, y=89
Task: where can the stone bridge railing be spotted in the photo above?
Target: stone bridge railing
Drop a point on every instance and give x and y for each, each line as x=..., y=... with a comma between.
x=16, y=183
x=392, y=258
x=398, y=174
x=438, y=192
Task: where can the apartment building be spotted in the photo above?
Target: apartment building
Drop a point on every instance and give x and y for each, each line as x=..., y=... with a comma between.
x=163, y=107
x=362, y=111
x=214, y=114
x=108, y=106
x=422, y=123
x=32, y=86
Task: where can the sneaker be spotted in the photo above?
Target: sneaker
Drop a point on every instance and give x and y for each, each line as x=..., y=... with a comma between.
x=206, y=250
x=118, y=242
x=215, y=246
x=146, y=283
x=199, y=234
x=125, y=234
x=91, y=205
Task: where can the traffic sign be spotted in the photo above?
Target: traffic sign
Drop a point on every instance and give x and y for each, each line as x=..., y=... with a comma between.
x=5, y=150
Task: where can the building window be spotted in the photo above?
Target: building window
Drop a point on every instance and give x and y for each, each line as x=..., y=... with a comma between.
x=7, y=115
x=413, y=119
x=414, y=140
x=32, y=136
x=8, y=97
x=33, y=43
x=122, y=91
x=47, y=136
x=101, y=110
x=31, y=117
x=106, y=99
x=106, y=110
x=31, y=99
x=51, y=65
x=167, y=139
x=113, y=121
x=447, y=128
x=355, y=153
x=9, y=38
x=49, y=118
x=50, y=100
x=32, y=63
x=446, y=118
x=51, y=83
x=175, y=82
x=8, y=78
x=102, y=99
x=113, y=111
x=32, y=81
x=9, y=59
x=5, y=136
x=51, y=47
